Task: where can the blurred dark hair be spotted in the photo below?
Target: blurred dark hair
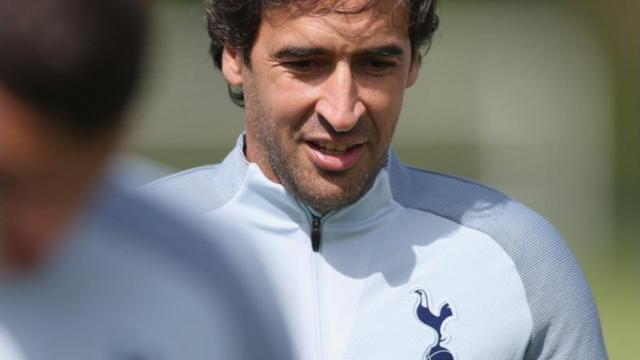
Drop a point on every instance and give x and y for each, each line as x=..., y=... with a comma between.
x=75, y=60
x=236, y=22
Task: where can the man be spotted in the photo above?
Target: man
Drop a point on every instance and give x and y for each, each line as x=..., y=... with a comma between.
x=372, y=259
x=89, y=270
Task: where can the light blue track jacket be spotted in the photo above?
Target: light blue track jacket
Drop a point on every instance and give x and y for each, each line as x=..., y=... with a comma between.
x=424, y=266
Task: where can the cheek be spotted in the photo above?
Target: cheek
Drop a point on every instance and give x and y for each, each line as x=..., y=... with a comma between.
x=383, y=106
x=383, y=94
x=289, y=90
x=287, y=107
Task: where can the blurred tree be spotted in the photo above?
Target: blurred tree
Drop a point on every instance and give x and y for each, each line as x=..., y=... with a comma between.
x=618, y=24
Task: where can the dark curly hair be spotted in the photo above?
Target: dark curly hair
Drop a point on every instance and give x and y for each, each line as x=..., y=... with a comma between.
x=236, y=23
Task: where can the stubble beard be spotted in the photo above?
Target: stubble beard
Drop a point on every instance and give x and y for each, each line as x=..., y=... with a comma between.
x=310, y=191
x=313, y=192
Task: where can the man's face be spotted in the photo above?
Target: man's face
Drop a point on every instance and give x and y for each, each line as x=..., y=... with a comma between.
x=323, y=95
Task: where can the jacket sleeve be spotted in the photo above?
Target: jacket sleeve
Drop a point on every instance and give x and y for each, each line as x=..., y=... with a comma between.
x=565, y=320
x=565, y=323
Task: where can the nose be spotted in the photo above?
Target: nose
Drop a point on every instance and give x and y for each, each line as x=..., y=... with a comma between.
x=339, y=103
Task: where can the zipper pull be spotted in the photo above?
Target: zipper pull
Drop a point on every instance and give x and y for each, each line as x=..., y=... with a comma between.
x=316, y=235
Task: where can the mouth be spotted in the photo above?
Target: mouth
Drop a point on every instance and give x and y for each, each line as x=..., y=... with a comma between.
x=332, y=148
x=330, y=156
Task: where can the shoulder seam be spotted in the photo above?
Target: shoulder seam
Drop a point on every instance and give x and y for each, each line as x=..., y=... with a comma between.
x=457, y=178
x=183, y=172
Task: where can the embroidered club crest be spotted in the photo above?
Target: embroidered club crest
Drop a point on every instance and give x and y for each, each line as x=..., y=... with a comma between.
x=435, y=321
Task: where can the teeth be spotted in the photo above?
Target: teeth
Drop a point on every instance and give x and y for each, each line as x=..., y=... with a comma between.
x=328, y=146
x=331, y=147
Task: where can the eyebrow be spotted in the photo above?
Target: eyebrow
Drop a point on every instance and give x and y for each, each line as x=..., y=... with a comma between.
x=298, y=52
x=383, y=51
x=301, y=52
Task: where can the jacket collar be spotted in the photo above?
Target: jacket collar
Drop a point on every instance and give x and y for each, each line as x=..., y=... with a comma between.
x=256, y=189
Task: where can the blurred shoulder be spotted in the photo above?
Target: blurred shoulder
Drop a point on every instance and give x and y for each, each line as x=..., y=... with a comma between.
x=9, y=349
x=139, y=269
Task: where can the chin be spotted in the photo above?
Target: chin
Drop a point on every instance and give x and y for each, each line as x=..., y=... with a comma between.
x=325, y=194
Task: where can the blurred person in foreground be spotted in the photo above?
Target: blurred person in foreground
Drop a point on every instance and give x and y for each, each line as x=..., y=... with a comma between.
x=90, y=270
x=372, y=259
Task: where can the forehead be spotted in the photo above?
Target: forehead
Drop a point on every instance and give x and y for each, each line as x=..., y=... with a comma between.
x=352, y=21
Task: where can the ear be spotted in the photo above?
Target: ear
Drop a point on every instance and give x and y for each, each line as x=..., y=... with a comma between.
x=232, y=65
x=414, y=69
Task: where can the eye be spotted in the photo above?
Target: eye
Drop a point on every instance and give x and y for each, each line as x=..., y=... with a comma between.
x=377, y=66
x=304, y=66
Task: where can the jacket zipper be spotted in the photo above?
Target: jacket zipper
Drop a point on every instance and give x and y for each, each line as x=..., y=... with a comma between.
x=316, y=238
x=316, y=232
